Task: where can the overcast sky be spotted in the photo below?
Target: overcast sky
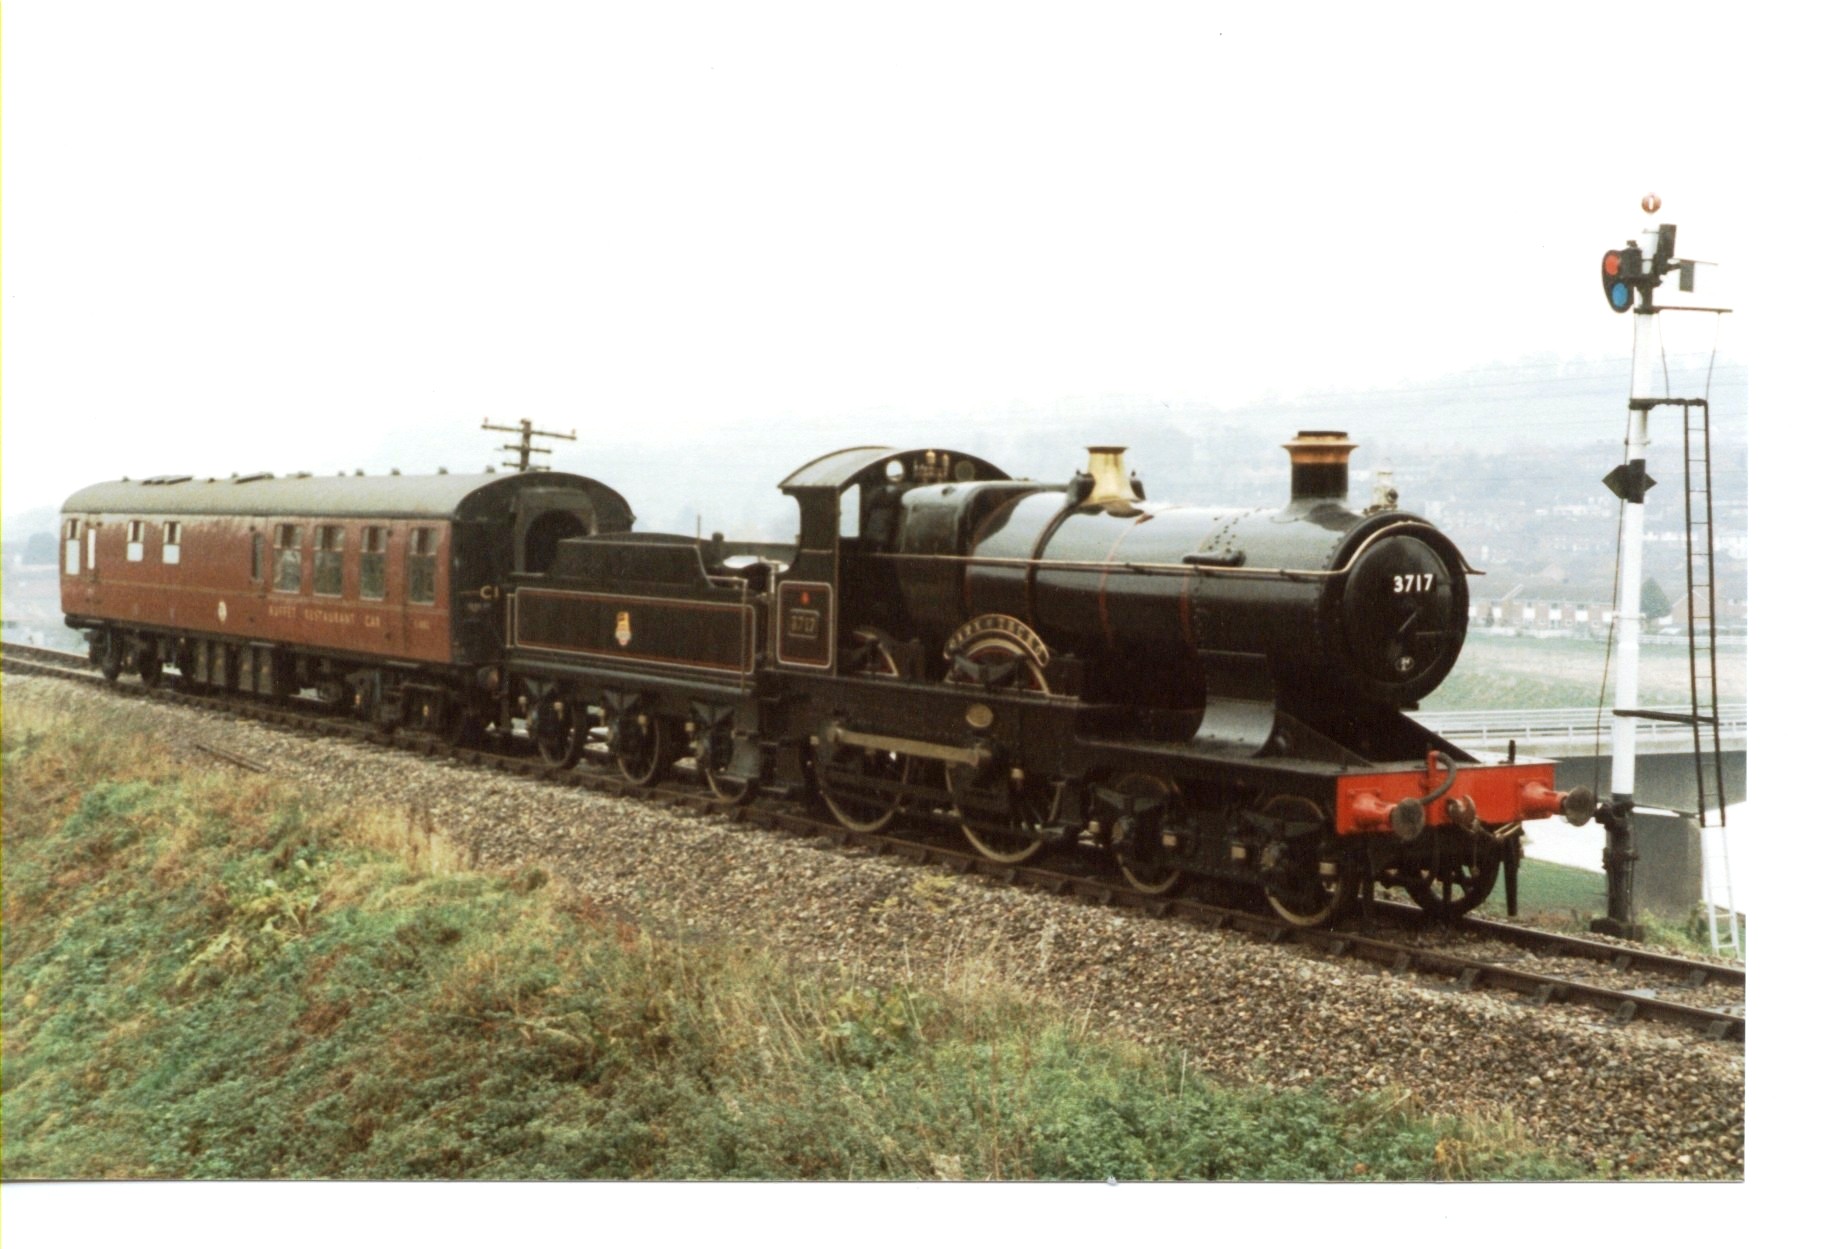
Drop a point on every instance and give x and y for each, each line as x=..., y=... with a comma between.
x=331, y=235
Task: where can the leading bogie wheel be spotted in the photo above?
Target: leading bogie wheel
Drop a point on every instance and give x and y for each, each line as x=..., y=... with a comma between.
x=1454, y=891
x=560, y=728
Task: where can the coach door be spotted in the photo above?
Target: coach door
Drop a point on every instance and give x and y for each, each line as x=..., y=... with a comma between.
x=426, y=618
x=378, y=589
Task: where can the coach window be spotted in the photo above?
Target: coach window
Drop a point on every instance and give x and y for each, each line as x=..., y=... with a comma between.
x=290, y=568
x=257, y=570
x=173, y=537
x=373, y=562
x=72, y=547
x=421, y=567
x=136, y=541
x=326, y=575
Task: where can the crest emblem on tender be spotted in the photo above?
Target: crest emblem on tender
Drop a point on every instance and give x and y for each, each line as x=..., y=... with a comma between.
x=624, y=632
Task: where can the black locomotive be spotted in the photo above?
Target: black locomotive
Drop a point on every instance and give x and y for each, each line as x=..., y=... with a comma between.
x=1201, y=692
x=1204, y=692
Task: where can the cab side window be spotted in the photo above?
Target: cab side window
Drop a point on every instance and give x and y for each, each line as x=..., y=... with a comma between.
x=72, y=546
x=173, y=537
x=136, y=541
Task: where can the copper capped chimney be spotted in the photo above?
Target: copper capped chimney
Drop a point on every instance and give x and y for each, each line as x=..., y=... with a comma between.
x=1321, y=464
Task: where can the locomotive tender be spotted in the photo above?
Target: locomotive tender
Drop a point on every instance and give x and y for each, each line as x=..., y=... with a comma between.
x=1202, y=692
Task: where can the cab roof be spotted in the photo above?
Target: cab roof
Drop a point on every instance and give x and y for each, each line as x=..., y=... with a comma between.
x=836, y=471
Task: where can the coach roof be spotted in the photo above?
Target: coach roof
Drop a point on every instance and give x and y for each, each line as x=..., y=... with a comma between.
x=451, y=496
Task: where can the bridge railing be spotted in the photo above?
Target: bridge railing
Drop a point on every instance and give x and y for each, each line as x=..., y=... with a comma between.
x=1558, y=724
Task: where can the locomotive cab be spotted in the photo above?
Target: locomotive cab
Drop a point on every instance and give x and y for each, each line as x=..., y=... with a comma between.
x=841, y=587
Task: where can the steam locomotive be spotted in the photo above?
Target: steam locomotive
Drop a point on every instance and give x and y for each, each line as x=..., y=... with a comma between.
x=1200, y=692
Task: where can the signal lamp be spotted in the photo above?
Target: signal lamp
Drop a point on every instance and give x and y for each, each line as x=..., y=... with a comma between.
x=1620, y=270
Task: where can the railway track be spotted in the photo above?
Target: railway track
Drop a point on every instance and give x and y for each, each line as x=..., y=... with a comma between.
x=1642, y=984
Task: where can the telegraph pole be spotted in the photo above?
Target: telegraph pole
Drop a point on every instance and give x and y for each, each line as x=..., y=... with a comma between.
x=1631, y=277
x=524, y=449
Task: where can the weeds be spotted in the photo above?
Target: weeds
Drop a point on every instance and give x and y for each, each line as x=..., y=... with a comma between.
x=206, y=977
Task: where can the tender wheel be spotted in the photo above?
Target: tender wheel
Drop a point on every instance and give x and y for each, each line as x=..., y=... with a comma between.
x=1155, y=879
x=1307, y=890
x=1456, y=890
x=729, y=790
x=645, y=753
x=1011, y=836
x=714, y=748
x=856, y=769
x=560, y=727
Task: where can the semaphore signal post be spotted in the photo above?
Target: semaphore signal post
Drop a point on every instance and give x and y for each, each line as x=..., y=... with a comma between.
x=1631, y=276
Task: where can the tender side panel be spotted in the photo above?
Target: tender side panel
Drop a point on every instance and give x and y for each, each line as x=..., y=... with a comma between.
x=637, y=630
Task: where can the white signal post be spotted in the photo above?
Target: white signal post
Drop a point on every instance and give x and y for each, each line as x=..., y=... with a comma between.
x=1620, y=839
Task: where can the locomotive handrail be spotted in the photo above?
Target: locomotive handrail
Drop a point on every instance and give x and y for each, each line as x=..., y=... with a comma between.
x=1176, y=570
x=1084, y=565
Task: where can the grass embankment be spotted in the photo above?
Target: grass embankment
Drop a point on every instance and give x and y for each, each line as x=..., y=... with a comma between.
x=207, y=976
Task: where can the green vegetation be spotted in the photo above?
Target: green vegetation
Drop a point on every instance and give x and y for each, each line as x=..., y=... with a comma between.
x=206, y=977
x=1549, y=890
x=1495, y=671
x=1554, y=895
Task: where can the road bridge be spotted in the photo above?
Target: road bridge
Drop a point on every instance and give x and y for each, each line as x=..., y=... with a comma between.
x=1580, y=739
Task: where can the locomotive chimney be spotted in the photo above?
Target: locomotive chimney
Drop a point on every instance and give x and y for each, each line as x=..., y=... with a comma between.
x=1109, y=479
x=1321, y=464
